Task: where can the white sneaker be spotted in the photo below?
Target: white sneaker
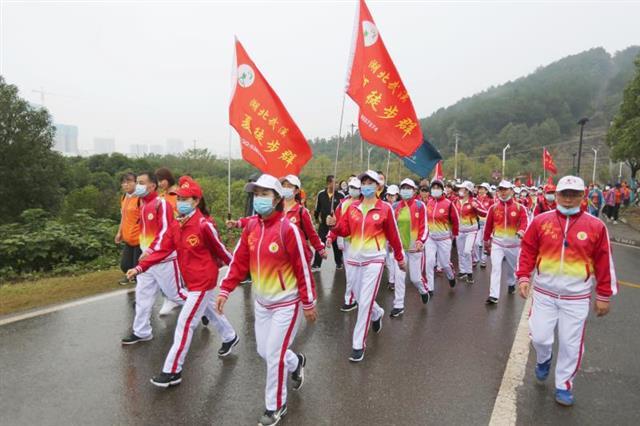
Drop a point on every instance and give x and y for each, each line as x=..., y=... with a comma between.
x=167, y=307
x=615, y=222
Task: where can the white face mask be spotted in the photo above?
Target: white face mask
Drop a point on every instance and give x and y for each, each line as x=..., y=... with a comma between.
x=461, y=193
x=437, y=193
x=550, y=197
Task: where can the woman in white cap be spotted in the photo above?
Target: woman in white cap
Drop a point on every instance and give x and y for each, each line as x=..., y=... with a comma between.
x=299, y=215
x=353, y=194
x=486, y=200
x=272, y=249
x=370, y=224
x=391, y=197
x=411, y=217
x=470, y=211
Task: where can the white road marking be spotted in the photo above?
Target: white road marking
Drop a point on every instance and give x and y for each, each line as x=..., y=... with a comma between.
x=615, y=243
x=44, y=311
x=505, y=408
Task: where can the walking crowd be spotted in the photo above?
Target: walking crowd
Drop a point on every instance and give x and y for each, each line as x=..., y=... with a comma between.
x=546, y=240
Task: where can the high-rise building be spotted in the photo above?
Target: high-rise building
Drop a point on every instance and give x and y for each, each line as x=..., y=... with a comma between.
x=66, y=139
x=139, y=150
x=174, y=146
x=156, y=149
x=104, y=145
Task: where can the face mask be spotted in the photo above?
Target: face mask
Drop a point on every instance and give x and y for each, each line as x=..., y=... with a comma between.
x=344, y=187
x=354, y=192
x=568, y=211
x=549, y=197
x=141, y=190
x=263, y=205
x=184, y=207
x=381, y=182
x=406, y=194
x=461, y=193
x=505, y=199
x=368, y=191
x=437, y=193
x=287, y=193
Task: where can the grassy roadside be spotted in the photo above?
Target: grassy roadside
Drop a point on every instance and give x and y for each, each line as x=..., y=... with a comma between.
x=48, y=291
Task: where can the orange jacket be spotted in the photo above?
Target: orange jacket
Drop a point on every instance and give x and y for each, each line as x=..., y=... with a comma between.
x=130, y=219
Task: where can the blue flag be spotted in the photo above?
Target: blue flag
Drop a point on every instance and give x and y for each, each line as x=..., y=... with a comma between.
x=423, y=160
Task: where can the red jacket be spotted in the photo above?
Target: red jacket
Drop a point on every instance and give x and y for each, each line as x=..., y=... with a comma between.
x=155, y=217
x=470, y=212
x=273, y=251
x=411, y=218
x=504, y=221
x=300, y=216
x=543, y=206
x=199, y=250
x=443, y=219
x=369, y=233
x=485, y=202
x=568, y=269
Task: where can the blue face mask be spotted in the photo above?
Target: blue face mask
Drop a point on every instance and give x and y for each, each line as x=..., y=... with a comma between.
x=263, y=205
x=354, y=192
x=568, y=212
x=368, y=191
x=141, y=190
x=287, y=193
x=184, y=207
x=406, y=194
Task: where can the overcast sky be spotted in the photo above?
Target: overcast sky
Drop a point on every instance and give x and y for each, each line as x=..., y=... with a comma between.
x=142, y=72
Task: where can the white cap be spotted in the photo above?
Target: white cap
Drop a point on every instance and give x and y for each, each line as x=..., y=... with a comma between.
x=293, y=180
x=570, y=182
x=393, y=190
x=373, y=175
x=467, y=184
x=355, y=182
x=265, y=181
x=486, y=186
x=517, y=189
x=505, y=184
x=409, y=182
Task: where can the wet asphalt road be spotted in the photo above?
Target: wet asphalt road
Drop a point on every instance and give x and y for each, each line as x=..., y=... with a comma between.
x=439, y=364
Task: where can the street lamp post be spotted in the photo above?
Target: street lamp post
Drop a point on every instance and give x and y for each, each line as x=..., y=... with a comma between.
x=369, y=157
x=573, y=163
x=595, y=160
x=455, y=159
x=581, y=122
x=504, y=153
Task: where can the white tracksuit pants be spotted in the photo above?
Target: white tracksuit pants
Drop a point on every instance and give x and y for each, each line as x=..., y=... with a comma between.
x=570, y=317
x=479, y=240
x=275, y=330
x=497, y=254
x=443, y=250
x=466, y=244
x=198, y=303
x=164, y=277
x=365, y=288
x=349, y=297
x=389, y=263
x=416, y=263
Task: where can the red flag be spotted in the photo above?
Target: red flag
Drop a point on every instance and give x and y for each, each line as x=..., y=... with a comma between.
x=271, y=140
x=550, y=180
x=386, y=116
x=547, y=162
x=437, y=173
x=530, y=180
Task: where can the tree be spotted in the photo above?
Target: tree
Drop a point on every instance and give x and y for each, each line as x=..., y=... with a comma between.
x=30, y=171
x=624, y=134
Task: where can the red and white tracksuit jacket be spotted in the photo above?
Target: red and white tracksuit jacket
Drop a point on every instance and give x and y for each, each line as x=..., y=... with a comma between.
x=470, y=212
x=486, y=202
x=156, y=215
x=569, y=255
x=443, y=221
x=299, y=215
x=504, y=220
x=273, y=251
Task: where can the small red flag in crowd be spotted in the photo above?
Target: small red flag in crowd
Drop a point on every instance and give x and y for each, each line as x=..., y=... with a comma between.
x=386, y=117
x=530, y=180
x=547, y=162
x=437, y=173
x=271, y=140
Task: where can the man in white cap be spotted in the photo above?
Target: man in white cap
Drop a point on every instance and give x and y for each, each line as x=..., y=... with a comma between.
x=570, y=252
x=506, y=223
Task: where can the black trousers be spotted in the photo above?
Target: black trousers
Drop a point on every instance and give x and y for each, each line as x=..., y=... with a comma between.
x=130, y=256
x=323, y=231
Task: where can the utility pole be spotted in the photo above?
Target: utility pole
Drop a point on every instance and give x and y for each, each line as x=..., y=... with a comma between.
x=573, y=163
x=620, y=173
x=581, y=122
x=455, y=158
x=369, y=157
x=595, y=160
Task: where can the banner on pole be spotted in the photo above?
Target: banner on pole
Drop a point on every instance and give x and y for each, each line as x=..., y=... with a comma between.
x=547, y=162
x=423, y=160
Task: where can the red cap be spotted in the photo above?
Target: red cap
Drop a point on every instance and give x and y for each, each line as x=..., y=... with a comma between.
x=549, y=188
x=188, y=188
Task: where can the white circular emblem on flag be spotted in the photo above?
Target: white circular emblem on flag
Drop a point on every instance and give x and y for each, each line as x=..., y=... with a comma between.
x=246, y=75
x=370, y=33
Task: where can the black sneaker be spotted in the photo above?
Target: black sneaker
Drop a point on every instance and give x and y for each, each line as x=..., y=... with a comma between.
x=452, y=282
x=396, y=312
x=357, y=355
x=462, y=276
x=124, y=281
x=270, y=418
x=470, y=278
x=339, y=267
x=349, y=307
x=425, y=297
x=391, y=286
x=298, y=375
x=512, y=289
x=226, y=347
x=483, y=265
x=132, y=339
x=205, y=320
x=430, y=294
x=491, y=301
x=377, y=325
x=164, y=380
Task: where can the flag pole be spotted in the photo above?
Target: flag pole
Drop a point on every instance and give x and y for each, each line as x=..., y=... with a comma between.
x=335, y=166
x=388, y=160
x=229, y=178
x=544, y=169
